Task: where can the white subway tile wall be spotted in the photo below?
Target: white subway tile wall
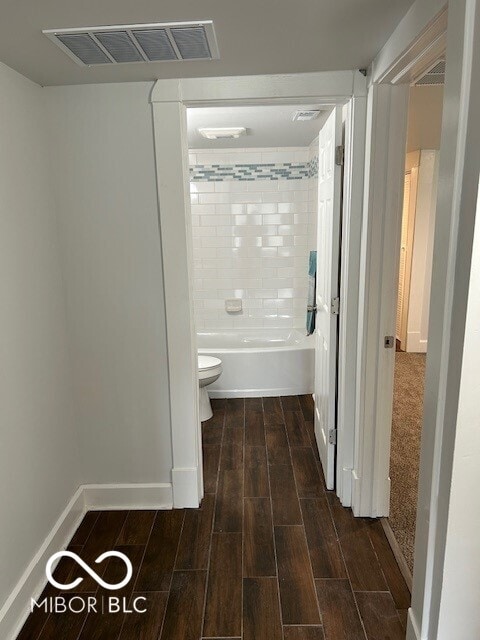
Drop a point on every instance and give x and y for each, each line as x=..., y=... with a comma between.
x=252, y=235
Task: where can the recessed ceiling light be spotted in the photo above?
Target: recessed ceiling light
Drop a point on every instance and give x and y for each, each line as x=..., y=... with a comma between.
x=306, y=114
x=215, y=133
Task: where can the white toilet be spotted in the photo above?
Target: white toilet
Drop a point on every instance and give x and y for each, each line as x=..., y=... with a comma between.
x=209, y=370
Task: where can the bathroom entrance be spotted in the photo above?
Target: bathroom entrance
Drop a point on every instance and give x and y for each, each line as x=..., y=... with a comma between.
x=249, y=225
x=265, y=189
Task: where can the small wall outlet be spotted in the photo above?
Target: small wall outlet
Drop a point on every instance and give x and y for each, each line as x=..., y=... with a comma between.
x=233, y=305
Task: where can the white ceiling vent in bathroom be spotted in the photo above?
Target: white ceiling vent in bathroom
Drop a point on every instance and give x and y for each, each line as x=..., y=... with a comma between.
x=305, y=114
x=138, y=42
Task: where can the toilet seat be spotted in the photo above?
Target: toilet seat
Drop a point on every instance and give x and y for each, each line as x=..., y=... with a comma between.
x=207, y=363
x=209, y=370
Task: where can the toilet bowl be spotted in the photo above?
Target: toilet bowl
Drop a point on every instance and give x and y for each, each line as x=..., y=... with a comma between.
x=209, y=370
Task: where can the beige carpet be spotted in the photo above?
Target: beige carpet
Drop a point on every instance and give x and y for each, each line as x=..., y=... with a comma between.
x=405, y=448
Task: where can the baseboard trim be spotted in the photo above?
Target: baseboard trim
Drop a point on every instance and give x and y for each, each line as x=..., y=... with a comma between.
x=415, y=344
x=258, y=393
x=397, y=552
x=413, y=631
x=185, y=487
x=104, y=497
x=346, y=487
x=86, y=498
x=356, y=492
x=16, y=609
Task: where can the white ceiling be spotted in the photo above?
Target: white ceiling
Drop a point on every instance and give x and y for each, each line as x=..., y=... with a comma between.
x=254, y=37
x=267, y=126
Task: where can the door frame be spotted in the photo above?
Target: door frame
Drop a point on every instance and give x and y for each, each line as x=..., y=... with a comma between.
x=170, y=99
x=418, y=40
x=421, y=35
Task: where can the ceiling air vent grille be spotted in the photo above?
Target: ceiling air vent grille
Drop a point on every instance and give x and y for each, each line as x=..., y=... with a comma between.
x=120, y=46
x=192, y=43
x=435, y=74
x=83, y=47
x=138, y=43
x=156, y=44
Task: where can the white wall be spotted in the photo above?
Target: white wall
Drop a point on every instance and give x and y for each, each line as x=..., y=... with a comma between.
x=425, y=108
x=421, y=272
x=39, y=465
x=104, y=177
x=252, y=237
x=459, y=611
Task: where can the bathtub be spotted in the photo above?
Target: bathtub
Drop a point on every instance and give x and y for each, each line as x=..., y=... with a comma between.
x=260, y=362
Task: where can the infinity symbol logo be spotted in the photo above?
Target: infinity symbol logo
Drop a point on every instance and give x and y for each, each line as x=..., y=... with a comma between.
x=95, y=576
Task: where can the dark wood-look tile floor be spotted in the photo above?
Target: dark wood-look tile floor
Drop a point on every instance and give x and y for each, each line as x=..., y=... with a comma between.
x=270, y=555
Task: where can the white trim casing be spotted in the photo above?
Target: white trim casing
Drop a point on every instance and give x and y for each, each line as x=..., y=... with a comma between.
x=384, y=179
x=330, y=88
x=171, y=153
x=454, y=231
x=353, y=187
x=169, y=99
x=87, y=498
x=415, y=44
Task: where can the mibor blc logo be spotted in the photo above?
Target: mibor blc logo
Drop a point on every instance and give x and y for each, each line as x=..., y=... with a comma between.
x=90, y=604
x=91, y=572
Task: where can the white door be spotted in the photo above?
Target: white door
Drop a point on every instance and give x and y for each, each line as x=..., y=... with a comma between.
x=328, y=258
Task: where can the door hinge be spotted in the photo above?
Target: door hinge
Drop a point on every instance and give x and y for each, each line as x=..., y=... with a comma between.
x=332, y=436
x=339, y=155
x=335, y=306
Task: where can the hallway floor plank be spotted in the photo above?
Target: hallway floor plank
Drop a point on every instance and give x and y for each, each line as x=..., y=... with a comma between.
x=269, y=555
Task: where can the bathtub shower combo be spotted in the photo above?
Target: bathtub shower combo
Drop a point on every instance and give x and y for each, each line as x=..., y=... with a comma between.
x=253, y=224
x=260, y=362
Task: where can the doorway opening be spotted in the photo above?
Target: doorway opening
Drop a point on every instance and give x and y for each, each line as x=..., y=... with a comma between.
x=266, y=202
x=412, y=313
x=343, y=92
